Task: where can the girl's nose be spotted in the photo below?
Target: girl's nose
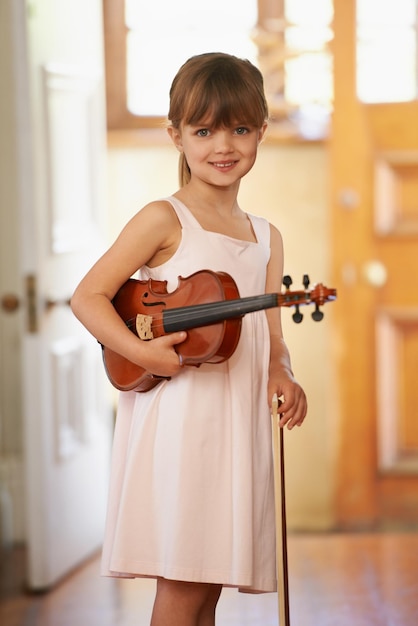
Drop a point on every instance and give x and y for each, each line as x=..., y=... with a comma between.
x=223, y=141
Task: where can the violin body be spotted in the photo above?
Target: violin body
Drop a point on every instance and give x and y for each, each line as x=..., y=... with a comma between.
x=211, y=343
x=207, y=305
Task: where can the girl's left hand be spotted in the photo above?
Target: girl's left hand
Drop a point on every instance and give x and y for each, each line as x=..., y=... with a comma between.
x=293, y=407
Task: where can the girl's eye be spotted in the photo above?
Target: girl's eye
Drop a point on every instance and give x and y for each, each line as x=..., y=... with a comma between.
x=241, y=130
x=203, y=132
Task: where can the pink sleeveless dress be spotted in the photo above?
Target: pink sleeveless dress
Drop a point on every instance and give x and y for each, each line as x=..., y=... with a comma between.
x=191, y=490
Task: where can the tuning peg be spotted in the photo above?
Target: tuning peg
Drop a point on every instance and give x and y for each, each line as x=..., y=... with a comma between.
x=287, y=281
x=317, y=315
x=297, y=316
x=306, y=281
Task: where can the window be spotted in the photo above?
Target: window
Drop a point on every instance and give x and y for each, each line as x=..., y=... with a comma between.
x=387, y=50
x=146, y=42
x=294, y=54
x=160, y=38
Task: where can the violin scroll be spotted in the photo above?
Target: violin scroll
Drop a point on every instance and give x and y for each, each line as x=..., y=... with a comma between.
x=318, y=296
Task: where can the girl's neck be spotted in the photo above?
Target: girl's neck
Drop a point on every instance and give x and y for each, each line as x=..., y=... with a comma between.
x=209, y=199
x=218, y=212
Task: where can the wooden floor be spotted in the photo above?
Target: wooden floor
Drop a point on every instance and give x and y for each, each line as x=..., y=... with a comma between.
x=335, y=580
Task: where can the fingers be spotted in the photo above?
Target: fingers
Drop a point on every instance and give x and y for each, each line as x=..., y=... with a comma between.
x=175, y=338
x=293, y=408
x=292, y=415
x=291, y=419
x=162, y=358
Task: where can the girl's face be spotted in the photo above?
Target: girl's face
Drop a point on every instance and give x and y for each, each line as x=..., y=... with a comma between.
x=218, y=156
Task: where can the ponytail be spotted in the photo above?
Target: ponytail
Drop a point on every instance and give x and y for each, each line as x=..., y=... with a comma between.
x=184, y=171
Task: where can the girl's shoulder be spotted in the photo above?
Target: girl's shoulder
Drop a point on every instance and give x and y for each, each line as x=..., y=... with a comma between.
x=155, y=224
x=276, y=239
x=153, y=234
x=158, y=211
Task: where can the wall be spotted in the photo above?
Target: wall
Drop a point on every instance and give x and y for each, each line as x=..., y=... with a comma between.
x=289, y=186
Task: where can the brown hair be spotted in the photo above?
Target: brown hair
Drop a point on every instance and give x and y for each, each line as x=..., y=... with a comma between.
x=219, y=89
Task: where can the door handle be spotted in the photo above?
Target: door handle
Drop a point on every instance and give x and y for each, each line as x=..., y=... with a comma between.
x=375, y=273
x=10, y=303
x=50, y=303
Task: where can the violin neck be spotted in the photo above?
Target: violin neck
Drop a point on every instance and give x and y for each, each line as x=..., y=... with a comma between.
x=193, y=316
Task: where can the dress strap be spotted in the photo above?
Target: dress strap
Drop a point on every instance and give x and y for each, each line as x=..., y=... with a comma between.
x=185, y=216
x=261, y=228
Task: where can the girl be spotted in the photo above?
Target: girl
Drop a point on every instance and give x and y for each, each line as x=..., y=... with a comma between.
x=191, y=498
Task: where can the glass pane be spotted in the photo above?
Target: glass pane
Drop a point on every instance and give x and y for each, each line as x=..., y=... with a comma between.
x=308, y=84
x=308, y=70
x=163, y=34
x=310, y=13
x=308, y=80
x=387, y=50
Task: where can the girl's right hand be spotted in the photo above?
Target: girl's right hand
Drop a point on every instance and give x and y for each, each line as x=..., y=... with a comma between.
x=159, y=356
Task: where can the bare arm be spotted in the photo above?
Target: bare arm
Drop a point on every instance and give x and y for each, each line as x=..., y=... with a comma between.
x=281, y=378
x=151, y=236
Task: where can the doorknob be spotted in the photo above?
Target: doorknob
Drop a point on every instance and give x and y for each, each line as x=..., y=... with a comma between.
x=10, y=302
x=375, y=273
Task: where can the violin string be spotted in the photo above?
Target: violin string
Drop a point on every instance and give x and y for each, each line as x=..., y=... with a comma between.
x=200, y=311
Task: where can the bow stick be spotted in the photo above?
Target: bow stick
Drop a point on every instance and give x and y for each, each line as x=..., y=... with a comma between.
x=280, y=507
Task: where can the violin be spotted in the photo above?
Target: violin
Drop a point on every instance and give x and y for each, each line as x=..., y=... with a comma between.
x=208, y=306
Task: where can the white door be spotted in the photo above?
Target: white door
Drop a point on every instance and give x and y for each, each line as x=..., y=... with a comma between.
x=66, y=405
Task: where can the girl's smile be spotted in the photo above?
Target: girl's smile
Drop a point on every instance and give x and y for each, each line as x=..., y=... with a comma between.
x=224, y=165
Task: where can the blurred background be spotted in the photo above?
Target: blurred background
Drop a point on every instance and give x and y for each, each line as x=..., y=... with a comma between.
x=83, y=147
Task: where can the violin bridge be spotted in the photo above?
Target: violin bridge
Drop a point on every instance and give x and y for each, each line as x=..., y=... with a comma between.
x=143, y=327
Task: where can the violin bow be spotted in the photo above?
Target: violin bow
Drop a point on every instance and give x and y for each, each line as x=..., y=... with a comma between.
x=280, y=508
